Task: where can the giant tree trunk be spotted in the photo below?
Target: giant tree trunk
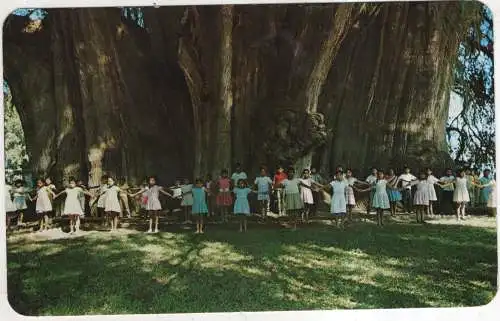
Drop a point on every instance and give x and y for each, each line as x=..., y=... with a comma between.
x=201, y=87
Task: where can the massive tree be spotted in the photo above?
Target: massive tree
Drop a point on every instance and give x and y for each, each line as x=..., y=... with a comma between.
x=190, y=90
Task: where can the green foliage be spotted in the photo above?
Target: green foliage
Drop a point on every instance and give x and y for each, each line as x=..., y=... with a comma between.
x=473, y=128
x=16, y=158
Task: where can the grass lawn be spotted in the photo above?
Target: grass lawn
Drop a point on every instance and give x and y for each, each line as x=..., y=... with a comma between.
x=268, y=268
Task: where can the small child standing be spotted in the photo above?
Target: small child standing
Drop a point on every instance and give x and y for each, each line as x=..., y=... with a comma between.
x=112, y=208
x=199, y=208
x=241, y=206
x=153, y=206
x=306, y=194
x=432, y=180
x=43, y=204
x=210, y=195
x=293, y=201
x=263, y=183
x=10, y=208
x=224, y=199
x=20, y=195
x=380, y=201
x=338, y=205
x=421, y=199
x=72, y=205
x=187, y=199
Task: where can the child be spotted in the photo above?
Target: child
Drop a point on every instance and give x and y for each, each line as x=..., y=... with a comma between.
x=446, y=183
x=380, y=201
x=279, y=177
x=51, y=187
x=200, y=208
x=351, y=200
x=72, y=205
x=153, y=206
x=406, y=181
x=19, y=194
x=224, y=199
x=370, y=181
x=461, y=194
x=293, y=202
x=210, y=195
x=144, y=200
x=241, y=206
x=492, y=199
x=101, y=201
x=112, y=207
x=338, y=205
x=174, y=202
x=485, y=192
x=263, y=184
x=421, y=199
x=307, y=183
x=392, y=192
x=10, y=207
x=43, y=204
x=187, y=199
x=81, y=197
x=432, y=180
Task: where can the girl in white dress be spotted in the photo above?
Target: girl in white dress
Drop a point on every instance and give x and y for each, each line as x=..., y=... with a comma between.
x=51, y=187
x=72, y=206
x=351, y=186
x=338, y=205
x=461, y=194
x=187, y=199
x=101, y=200
x=112, y=208
x=433, y=181
x=10, y=208
x=421, y=198
x=153, y=204
x=306, y=194
x=43, y=204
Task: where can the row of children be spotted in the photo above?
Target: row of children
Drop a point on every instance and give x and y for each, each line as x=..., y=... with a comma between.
x=296, y=196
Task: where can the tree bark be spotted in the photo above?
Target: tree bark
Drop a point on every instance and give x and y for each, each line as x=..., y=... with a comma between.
x=199, y=88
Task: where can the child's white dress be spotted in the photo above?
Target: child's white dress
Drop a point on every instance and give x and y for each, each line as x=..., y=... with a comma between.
x=380, y=197
x=102, y=199
x=43, y=203
x=187, y=195
x=461, y=193
x=9, y=205
x=351, y=200
x=111, y=199
x=72, y=204
x=432, y=191
x=492, y=200
x=306, y=192
x=153, y=198
x=338, y=203
x=422, y=194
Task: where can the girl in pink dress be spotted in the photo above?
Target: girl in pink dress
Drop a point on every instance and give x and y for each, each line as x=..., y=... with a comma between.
x=224, y=198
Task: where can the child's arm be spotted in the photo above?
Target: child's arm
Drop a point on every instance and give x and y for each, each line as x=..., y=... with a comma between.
x=142, y=190
x=59, y=194
x=165, y=192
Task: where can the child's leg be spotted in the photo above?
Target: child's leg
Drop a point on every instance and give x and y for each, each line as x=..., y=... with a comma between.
x=245, y=223
x=157, y=220
x=201, y=224
x=20, y=218
x=77, y=224
x=463, y=211
x=46, y=220
x=116, y=220
x=150, y=221
x=459, y=205
x=241, y=223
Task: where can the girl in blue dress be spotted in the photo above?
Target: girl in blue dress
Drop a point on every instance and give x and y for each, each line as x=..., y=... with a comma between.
x=241, y=206
x=199, y=208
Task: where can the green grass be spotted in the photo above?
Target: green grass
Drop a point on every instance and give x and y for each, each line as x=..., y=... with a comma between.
x=316, y=267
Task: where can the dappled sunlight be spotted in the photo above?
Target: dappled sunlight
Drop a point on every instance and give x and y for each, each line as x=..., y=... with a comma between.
x=314, y=268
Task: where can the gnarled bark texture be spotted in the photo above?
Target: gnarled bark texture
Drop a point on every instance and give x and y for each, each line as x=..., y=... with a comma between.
x=199, y=88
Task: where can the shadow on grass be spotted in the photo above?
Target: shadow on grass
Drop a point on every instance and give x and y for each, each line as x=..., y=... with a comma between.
x=318, y=267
